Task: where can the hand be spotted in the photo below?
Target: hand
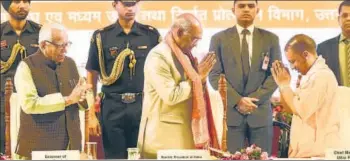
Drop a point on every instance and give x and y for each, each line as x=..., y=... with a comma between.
x=206, y=65
x=79, y=92
x=94, y=125
x=280, y=74
x=246, y=105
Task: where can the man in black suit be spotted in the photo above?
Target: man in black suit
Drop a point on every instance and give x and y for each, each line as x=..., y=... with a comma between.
x=336, y=51
x=244, y=54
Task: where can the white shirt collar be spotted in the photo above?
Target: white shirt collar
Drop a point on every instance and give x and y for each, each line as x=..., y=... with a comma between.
x=240, y=29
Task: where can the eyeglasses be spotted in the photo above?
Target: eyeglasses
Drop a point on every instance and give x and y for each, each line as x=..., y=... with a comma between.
x=60, y=46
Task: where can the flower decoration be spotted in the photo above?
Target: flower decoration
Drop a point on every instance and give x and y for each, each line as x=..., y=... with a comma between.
x=252, y=152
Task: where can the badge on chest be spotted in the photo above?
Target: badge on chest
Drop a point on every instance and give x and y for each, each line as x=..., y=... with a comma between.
x=3, y=44
x=113, y=51
x=266, y=61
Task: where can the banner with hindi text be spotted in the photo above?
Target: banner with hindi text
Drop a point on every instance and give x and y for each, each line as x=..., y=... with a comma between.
x=91, y=15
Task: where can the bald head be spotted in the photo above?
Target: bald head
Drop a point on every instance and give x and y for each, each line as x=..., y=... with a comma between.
x=187, y=31
x=186, y=22
x=301, y=52
x=300, y=43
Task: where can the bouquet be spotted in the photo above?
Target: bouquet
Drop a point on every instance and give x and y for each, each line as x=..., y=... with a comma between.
x=250, y=153
x=281, y=116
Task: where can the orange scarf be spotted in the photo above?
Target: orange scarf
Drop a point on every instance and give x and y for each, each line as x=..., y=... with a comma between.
x=203, y=128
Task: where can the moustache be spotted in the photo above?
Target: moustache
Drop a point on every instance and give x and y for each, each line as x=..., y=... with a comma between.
x=22, y=11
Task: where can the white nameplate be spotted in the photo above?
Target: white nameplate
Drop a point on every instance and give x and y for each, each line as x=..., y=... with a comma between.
x=56, y=155
x=183, y=155
x=337, y=154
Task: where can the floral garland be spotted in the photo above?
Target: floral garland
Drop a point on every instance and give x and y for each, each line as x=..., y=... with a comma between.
x=250, y=153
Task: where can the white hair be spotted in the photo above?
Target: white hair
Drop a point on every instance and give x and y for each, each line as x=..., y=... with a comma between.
x=45, y=33
x=182, y=23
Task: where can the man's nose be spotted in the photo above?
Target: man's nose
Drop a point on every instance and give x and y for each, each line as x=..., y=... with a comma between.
x=22, y=4
x=246, y=8
x=129, y=8
x=64, y=50
x=292, y=67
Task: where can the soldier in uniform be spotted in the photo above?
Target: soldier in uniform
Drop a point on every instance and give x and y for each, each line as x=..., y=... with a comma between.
x=19, y=39
x=117, y=54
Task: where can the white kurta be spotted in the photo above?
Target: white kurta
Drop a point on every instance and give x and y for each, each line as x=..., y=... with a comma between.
x=317, y=127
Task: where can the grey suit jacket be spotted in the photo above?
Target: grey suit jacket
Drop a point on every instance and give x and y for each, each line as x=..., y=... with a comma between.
x=329, y=50
x=260, y=83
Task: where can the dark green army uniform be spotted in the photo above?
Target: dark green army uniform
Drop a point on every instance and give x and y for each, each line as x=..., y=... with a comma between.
x=119, y=58
x=13, y=49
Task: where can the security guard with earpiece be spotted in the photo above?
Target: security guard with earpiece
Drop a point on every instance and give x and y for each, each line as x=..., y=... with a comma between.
x=19, y=39
x=116, y=56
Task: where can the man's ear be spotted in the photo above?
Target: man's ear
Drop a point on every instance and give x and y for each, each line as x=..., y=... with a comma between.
x=305, y=54
x=42, y=45
x=180, y=32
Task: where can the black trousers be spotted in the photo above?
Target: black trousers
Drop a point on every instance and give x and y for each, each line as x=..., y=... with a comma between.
x=120, y=125
x=2, y=122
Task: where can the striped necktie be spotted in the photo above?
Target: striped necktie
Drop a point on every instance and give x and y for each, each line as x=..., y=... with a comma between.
x=347, y=52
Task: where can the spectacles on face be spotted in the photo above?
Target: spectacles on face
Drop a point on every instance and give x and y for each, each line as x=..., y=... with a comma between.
x=60, y=46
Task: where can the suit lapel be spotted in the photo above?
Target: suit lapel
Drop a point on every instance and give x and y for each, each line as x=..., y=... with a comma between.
x=256, y=57
x=235, y=46
x=232, y=51
x=334, y=49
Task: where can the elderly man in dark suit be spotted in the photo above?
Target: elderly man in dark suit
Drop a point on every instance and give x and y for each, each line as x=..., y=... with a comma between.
x=336, y=51
x=244, y=53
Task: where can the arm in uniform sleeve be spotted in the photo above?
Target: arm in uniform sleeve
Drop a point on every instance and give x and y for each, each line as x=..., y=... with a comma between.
x=159, y=73
x=158, y=37
x=29, y=100
x=92, y=64
x=153, y=33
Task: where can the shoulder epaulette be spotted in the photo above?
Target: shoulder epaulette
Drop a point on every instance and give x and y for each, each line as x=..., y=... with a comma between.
x=3, y=25
x=99, y=31
x=106, y=28
x=149, y=28
x=35, y=25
